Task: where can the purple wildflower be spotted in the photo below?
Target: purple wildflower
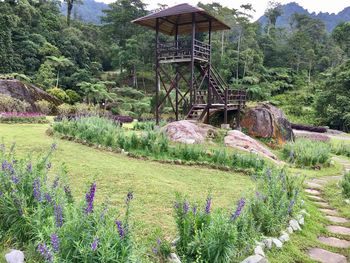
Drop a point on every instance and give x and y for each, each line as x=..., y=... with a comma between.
x=238, y=211
x=29, y=167
x=194, y=209
x=290, y=207
x=58, y=215
x=55, y=182
x=94, y=244
x=4, y=165
x=129, y=197
x=89, y=197
x=159, y=242
x=54, y=146
x=48, y=197
x=36, y=189
x=208, y=205
x=176, y=205
x=15, y=179
x=186, y=207
x=121, y=229
x=45, y=252
x=48, y=166
x=55, y=242
x=155, y=250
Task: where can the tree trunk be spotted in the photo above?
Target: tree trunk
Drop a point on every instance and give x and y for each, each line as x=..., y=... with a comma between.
x=69, y=10
x=222, y=43
x=238, y=56
x=58, y=75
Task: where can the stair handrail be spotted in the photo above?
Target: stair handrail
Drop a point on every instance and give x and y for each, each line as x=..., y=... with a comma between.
x=217, y=75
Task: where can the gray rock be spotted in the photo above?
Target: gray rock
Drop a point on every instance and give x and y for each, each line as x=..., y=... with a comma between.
x=175, y=241
x=258, y=250
x=294, y=224
x=290, y=230
x=15, y=256
x=277, y=243
x=260, y=243
x=173, y=258
x=301, y=220
x=268, y=243
x=255, y=259
x=284, y=237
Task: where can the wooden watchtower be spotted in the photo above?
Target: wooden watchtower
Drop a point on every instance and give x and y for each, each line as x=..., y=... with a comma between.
x=188, y=60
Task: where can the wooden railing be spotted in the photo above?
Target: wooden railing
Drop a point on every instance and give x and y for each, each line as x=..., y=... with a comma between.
x=182, y=49
x=233, y=97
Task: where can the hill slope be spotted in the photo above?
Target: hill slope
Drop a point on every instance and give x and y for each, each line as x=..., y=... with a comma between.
x=89, y=11
x=330, y=20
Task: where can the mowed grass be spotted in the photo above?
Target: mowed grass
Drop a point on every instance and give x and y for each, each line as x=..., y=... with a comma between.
x=154, y=184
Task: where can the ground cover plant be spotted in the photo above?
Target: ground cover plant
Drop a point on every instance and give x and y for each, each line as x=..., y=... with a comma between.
x=345, y=184
x=102, y=131
x=307, y=153
x=207, y=235
x=22, y=117
x=40, y=211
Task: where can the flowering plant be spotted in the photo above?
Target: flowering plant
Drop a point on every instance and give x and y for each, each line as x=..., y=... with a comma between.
x=22, y=117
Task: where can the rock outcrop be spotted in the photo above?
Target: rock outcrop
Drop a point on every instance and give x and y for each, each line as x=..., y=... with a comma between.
x=26, y=92
x=189, y=132
x=239, y=140
x=267, y=121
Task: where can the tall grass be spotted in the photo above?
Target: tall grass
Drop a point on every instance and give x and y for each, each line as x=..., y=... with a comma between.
x=153, y=144
x=341, y=149
x=307, y=153
x=345, y=184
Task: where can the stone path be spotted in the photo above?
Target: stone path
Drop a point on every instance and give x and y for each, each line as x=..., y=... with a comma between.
x=314, y=193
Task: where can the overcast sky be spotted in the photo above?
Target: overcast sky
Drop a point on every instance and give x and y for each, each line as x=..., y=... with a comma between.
x=331, y=6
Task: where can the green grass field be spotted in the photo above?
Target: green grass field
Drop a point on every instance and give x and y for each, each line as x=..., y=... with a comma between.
x=154, y=184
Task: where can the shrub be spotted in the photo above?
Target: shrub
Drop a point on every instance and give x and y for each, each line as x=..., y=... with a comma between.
x=341, y=149
x=43, y=106
x=345, y=184
x=24, y=117
x=58, y=93
x=73, y=96
x=65, y=109
x=40, y=211
x=9, y=104
x=305, y=152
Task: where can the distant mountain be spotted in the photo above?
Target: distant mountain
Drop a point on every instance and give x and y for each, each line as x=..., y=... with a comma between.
x=89, y=11
x=330, y=20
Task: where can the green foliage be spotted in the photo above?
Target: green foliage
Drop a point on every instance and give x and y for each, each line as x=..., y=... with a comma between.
x=35, y=210
x=58, y=93
x=44, y=106
x=22, y=117
x=341, y=149
x=65, y=109
x=306, y=153
x=73, y=96
x=9, y=104
x=345, y=184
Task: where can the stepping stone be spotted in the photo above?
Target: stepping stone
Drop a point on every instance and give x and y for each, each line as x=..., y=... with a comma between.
x=314, y=185
x=312, y=192
x=337, y=219
x=322, y=204
x=334, y=242
x=325, y=256
x=330, y=212
x=315, y=197
x=339, y=230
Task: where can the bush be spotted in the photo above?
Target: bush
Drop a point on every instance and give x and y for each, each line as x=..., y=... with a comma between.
x=43, y=106
x=345, y=184
x=341, y=149
x=24, y=117
x=306, y=153
x=73, y=96
x=40, y=211
x=9, y=104
x=58, y=93
x=65, y=109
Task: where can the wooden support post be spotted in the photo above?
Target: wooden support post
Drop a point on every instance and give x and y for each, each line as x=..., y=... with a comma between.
x=177, y=75
x=192, y=58
x=157, y=72
x=209, y=71
x=225, y=112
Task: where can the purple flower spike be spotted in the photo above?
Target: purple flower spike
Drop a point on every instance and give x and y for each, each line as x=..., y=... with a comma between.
x=48, y=197
x=29, y=167
x=45, y=252
x=94, y=244
x=58, y=215
x=36, y=189
x=208, y=205
x=194, y=209
x=239, y=209
x=89, y=197
x=186, y=207
x=55, y=242
x=121, y=229
x=290, y=207
x=129, y=197
x=55, y=182
x=15, y=179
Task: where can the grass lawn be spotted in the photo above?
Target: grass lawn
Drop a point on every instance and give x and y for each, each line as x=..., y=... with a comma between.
x=154, y=184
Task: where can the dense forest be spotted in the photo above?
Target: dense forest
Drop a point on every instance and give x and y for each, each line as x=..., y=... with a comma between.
x=303, y=69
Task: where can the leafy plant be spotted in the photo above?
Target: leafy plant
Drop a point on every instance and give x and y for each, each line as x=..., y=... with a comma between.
x=345, y=184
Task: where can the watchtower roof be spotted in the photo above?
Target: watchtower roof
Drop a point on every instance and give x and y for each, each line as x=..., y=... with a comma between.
x=181, y=15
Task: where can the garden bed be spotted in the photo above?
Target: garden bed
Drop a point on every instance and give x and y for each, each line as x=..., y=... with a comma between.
x=22, y=117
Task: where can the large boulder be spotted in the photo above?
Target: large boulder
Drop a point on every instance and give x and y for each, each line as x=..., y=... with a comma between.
x=188, y=132
x=267, y=121
x=26, y=92
x=239, y=140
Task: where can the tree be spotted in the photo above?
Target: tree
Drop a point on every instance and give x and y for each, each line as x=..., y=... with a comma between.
x=59, y=63
x=70, y=4
x=273, y=11
x=341, y=34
